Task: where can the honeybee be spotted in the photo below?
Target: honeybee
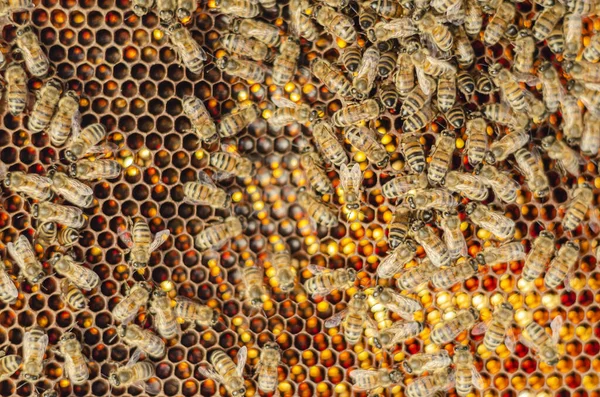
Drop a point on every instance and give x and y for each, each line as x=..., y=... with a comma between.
x=461, y=271
x=353, y=318
x=373, y=379
x=326, y=281
x=566, y=157
x=504, y=253
x=572, y=27
x=286, y=62
x=30, y=185
x=497, y=26
x=136, y=297
x=79, y=275
x=530, y=165
x=143, y=339
x=8, y=291
x=465, y=371
x=562, y=266
x=319, y=212
x=76, y=367
x=16, y=89
x=367, y=71
x=203, y=191
x=414, y=102
x=254, y=286
x=552, y=87
x=403, y=184
x=270, y=357
x=494, y=222
x=547, y=20
x=435, y=249
x=396, y=302
x=241, y=68
x=589, y=97
x=425, y=386
x=9, y=365
x=430, y=65
x=418, y=120
x=476, y=145
x=289, y=112
x=284, y=271
x=470, y=186
x=98, y=169
x=65, y=119
x=140, y=243
x=351, y=182
x=188, y=50
x=365, y=140
x=591, y=53
x=216, y=235
x=141, y=7
x=64, y=215
x=497, y=330
x=229, y=164
x=546, y=346
x=190, y=310
x=590, y=139
x=416, y=276
x=351, y=57
x=312, y=165
x=348, y=115
x=524, y=48
x=237, y=120
x=246, y=46
x=422, y=362
x=456, y=117
x=267, y=33
x=508, y=85
x=582, y=199
x=33, y=55
x=507, y=145
x=328, y=144
x=166, y=10
x=226, y=372
x=448, y=330
x=72, y=295
x=441, y=157
x=301, y=24
x=391, y=29
x=185, y=9
x=337, y=24
x=24, y=255
x=404, y=79
x=134, y=373
x=542, y=250
x=395, y=261
x=202, y=124
x=71, y=189
x=485, y=85
x=85, y=142
x=399, y=226
x=413, y=151
x=439, y=199
x=47, y=100
x=396, y=333
x=473, y=18
x=453, y=237
x=35, y=342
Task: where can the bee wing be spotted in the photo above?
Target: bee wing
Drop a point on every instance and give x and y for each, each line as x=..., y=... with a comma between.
x=159, y=239
x=336, y=319
x=314, y=269
x=134, y=358
x=29, y=342
x=282, y=102
x=359, y=373
x=205, y=179
x=477, y=379
x=150, y=388
x=76, y=124
x=210, y=373
x=480, y=328
x=74, y=190
x=104, y=149
x=555, y=326
x=242, y=355
x=9, y=287
x=125, y=237
x=426, y=84
x=403, y=25
x=350, y=177
x=40, y=180
x=222, y=175
x=510, y=341
x=527, y=342
x=13, y=252
x=405, y=301
x=389, y=266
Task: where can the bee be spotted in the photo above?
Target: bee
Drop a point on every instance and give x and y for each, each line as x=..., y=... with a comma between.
x=453, y=237
x=426, y=362
x=367, y=71
x=86, y=142
x=241, y=68
x=351, y=182
x=268, y=377
x=188, y=50
x=205, y=192
x=134, y=373
x=166, y=10
x=141, y=7
x=239, y=8
x=456, y=117
x=439, y=33
x=286, y=62
x=556, y=40
x=395, y=261
x=254, y=286
x=441, y=157
x=99, y=169
x=16, y=89
x=572, y=27
x=397, y=333
x=530, y=165
x=567, y=158
x=591, y=53
x=237, y=120
x=76, y=367
x=418, y=120
x=387, y=8
x=351, y=57
x=414, y=102
x=35, y=342
x=537, y=110
x=337, y=24
x=70, y=189
x=396, y=302
x=524, y=48
x=143, y=339
x=497, y=329
x=416, y=276
x=473, y=22
x=507, y=145
x=365, y=140
x=229, y=164
x=62, y=214
x=8, y=290
x=589, y=97
x=226, y=372
x=547, y=20
x=413, y=152
x=538, y=339
x=383, y=31
x=590, y=139
x=202, y=124
x=190, y=310
x=449, y=330
x=267, y=33
x=425, y=386
x=552, y=88
x=437, y=199
x=10, y=6
x=47, y=100
x=461, y=271
x=389, y=97
x=403, y=184
x=246, y=46
x=386, y=64
x=470, y=186
x=9, y=365
x=348, y=115
x=140, y=243
x=510, y=252
x=136, y=297
x=465, y=83
x=465, y=54
x=328, y=144
x=542, y=250
x=326, y=281
x=476, y=145
x=399, y=226
x=494, y=222
x=284, y=271
x=216, y=235
x=24, y=255
x=65, y=119
x=466, y=373
x=319, y=212
x=79, y=275
x=185, y=9
x=352, y=318
x=301, y=24
x=30, y=185
x=431, y=65
x=573, y=125
x=312, y=165
x=434, y=248
x=288, y=112
x=497, y=26
x=584, y=71
x=404, y=79
x=509, y=87
x=485, y=85
x=368, y=380
x=561, y=267
x=28, y=44
x=72, y=295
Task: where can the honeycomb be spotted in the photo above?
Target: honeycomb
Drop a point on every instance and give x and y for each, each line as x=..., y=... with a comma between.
x=131, y=82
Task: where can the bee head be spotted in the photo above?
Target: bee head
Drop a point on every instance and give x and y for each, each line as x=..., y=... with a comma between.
x=506, y=305
x=383, y=162
x=240, y=392
x=360, y=295
x=138, y=265
x=426, y=216
x=395, y=376
x=39, y=277
x=473, y=264
x=411, y=202
x=24, y=30
x=352, y=275
x=52, y=172
x=371, y=35
x=548, y=141
x=547, y=234
x=7, y=181
x=377, y=342
x=35, y=210
x=256, y=302
x=272, y=346
x=121, y=330
x=159, y=293
x=474, y=313
x=378, y=291
x=542, y=192
x=574, y=86
x=407, y=368
x=114, y=380
x=73, y=170
x=480, y=258
x=215, y=318
x=70, y=155
x=140, y=10
x=461, y=348
x=470, y=208
x=72, y=94
x=222, y=62
x=417, y=225
x=182, y=13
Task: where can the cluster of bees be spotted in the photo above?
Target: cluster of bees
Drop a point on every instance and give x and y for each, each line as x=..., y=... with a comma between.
x=415, y=59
